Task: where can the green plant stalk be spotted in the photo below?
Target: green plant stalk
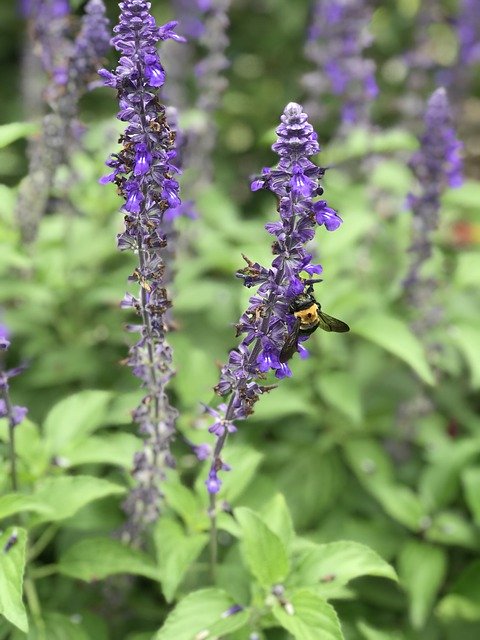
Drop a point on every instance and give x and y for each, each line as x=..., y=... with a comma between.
x=11, y=440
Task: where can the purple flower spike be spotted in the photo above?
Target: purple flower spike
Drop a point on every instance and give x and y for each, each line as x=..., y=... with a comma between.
x=295, y=181
x=436, y=165
x=336, y=41
x=144, y=171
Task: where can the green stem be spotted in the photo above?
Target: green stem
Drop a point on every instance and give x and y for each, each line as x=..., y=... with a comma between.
x=11, y=439
x=38, y=573
x=42, y=541
x=213, y=537
x=34, y=606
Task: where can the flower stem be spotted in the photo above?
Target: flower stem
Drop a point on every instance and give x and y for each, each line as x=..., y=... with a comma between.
x=11, y=440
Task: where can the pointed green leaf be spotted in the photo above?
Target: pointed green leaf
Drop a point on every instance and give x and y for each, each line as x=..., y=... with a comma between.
x=244, y=462
x=401, y=504
x=175, y=553
x=187, y=505
x=14, y=131
x=13, y=503
x=471, y=488
x=463, y=601
x=202, y=615
x=277, y=514
x=309, y=617
x=12, y=567
x=264, y=552
x=467, y=339
x=341, y=390
x=422, y=569
x=452, y=528
x=369, y=633
x=74, y=418
x=65, y=495
x=440, y=481
x=394, y=336
x=115, y=448
x=329, y=566
x=98, y=558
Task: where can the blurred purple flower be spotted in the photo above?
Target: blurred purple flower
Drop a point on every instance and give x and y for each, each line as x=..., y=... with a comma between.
x=336, y=41
x=436, y=165
x=144, y=171
x=295, y=181
x=468, y=26
x=71, y=65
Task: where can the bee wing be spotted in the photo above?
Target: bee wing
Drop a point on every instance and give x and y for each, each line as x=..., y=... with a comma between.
x=327, y=323
x=291, y=343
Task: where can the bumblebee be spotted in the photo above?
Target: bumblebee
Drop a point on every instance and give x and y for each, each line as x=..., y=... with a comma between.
x=308, y=317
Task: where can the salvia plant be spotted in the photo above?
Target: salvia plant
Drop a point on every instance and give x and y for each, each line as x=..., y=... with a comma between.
x=328, y=486
x=436, y=165
x=337, y=37
x=145, y=175
x=71, y=66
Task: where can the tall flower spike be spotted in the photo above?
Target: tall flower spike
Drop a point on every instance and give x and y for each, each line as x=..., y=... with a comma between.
x=295, y=181
x=60, y=127
x=143, y=171
x=211, y=85
x=436, y=165
x=336, y=40
x=469, y=33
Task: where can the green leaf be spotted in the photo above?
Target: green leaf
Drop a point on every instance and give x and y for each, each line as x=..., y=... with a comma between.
x=333, y=565
x=202, y=615
x=13, y=503
x=244, y=462
x=59, y=627
x=451, y=528
x=14, y=131
x=369, y=461
x=422, y=569
x=115, y=448
x=341, y=390
x=309, y=618
x=369, y=633
x=264, y=552
x=454, y=607
x=74, y=418
x=394, y=336
x=402, y=505
x=293, y=403
x=463, y=601
x=186, y=504
x=471, y=488
x=440, y=481
x=30, y=449
x=12, y=567
x=97, y=558
x=467, y=339
x=277, y=514
x=175, y=553
x=64, y=496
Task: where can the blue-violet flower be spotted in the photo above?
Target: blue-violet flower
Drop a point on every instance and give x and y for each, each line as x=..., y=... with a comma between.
x=295, y=182
x=144, y=173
